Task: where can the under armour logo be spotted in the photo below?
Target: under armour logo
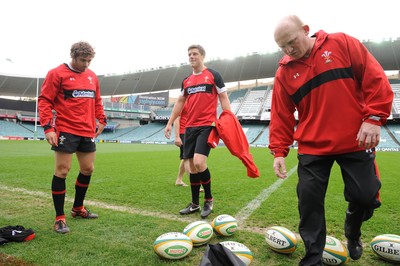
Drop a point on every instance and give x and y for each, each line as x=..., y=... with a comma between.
x=296, y=75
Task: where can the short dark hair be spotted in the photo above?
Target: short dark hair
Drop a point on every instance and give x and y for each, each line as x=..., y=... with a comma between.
x=82, y=48
x=199, y=47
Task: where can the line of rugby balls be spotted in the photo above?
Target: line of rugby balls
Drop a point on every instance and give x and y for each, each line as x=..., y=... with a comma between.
x=177, y=245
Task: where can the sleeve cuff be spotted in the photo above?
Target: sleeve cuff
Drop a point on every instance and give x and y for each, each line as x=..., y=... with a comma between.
x=51, y=129
x=104, y=121
x=373, y=121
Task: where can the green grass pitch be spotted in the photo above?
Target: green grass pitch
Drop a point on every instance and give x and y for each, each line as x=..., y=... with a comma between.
x=133, y=191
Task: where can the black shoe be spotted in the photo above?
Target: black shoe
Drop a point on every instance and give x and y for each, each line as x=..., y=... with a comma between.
x=208, y=206
x=355, y=248
x=191, y=208
x=16, y=233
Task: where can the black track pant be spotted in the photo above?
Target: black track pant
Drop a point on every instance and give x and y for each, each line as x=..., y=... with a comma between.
x=361, y=191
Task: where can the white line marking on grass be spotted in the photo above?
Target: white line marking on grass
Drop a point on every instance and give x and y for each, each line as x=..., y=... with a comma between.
x=240, y=217
x=103, y=205
x=244, y=213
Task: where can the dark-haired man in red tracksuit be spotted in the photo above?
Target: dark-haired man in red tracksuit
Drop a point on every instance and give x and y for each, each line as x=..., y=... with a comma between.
x=200, y=93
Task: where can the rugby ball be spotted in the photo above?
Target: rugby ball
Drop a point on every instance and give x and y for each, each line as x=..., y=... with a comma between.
x=387, y=247
x=335, y=253
x=173, y=245
x=224, y=225
x=200, y=232
x=240, y=250
x=281, y=239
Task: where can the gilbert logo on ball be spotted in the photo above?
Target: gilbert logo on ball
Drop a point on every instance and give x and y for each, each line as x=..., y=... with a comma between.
x=200, y=232
x=335, y=253
x=281, y=239
x=387, y=247
x=224, y=225
x=173, y=245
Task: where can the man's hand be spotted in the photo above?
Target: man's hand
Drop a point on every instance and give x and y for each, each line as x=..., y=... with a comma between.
x=167, y=131
x=51, y=138
x=178, y=141
x=369, y=135
x=100, y=128
x=280, y=167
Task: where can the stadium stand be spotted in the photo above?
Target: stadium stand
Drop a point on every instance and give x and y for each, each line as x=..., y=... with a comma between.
x=116, y=135
x=394, y=130
x=162, y=114
x=266, y=108
x=236, y=99
x=263, y=138
x=387, y=139
x=144, y=123
x=140, y=133
x=396, y=100
x=253, y=131
x=251, y=106
x=14, y=130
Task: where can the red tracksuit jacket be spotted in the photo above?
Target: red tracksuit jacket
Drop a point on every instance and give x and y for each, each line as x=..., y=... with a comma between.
x=334, y=90
x=75, y=97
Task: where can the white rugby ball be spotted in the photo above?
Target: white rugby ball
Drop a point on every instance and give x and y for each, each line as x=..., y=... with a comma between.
x=387, y=247
x=240, y=250
x=281, y=239
x=200, y=232
x=224, y=225
x=335, y=253
x=173, y=245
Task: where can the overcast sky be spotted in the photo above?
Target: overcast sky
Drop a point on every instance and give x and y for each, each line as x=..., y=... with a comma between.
x=128, y=35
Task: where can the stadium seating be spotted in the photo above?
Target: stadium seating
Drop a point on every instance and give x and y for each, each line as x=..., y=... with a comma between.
x=394, y=130
x=11, y=129
x=263, y=138
x=236, y=99
x=246, y=103
x=253, y=102
x=117, y=134
x=140, y=133
x=396, y=100
x=252, y=131
x=387, y=141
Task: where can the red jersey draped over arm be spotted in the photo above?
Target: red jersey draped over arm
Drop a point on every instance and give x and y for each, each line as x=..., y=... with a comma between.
x=228, y=128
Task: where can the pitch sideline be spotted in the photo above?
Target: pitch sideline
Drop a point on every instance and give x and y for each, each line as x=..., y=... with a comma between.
x=241, y=216
x=99, y=204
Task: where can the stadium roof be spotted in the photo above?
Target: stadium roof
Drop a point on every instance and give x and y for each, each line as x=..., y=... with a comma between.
x=250, y=67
